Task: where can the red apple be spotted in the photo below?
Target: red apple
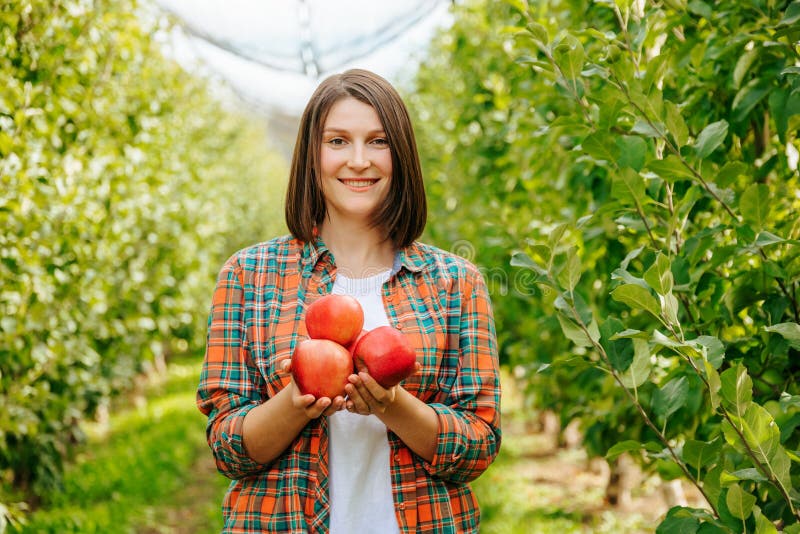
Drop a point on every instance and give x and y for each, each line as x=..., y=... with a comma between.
x=338, y=318
x=352, y=345
x=321, y=367
x=386, y=355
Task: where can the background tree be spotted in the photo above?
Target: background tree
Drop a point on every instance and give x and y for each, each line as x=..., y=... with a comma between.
x=647, y=155
x=125, y=185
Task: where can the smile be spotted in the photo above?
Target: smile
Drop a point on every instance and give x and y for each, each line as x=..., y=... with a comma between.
x=359, y=183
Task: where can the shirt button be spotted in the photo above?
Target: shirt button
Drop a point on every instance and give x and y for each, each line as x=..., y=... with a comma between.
x=402, y=506
x=397, y=458
x=398, y=325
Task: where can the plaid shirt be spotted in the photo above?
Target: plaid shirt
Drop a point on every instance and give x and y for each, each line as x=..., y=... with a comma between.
x=439, y=300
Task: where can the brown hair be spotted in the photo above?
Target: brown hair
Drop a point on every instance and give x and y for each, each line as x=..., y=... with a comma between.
x=403, y=213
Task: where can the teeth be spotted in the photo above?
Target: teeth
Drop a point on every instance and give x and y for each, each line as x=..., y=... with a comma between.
x=359, y=183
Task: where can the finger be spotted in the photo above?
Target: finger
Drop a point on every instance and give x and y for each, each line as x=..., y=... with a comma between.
x=318, y=407
x=375, y=390
x=356, y=402
x=286, y=365
x=336, y=405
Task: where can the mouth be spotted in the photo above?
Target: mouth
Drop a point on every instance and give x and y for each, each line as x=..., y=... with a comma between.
x=359, y=184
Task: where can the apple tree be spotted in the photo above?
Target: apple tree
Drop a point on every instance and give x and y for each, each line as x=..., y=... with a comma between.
x=658, y=144
x=124, y=185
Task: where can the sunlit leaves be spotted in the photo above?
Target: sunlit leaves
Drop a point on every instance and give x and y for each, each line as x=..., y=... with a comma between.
x=670, y=154
x=125, y=185
x=711, y=138
x=754, y=205
x=790, y=331
x=637, y=298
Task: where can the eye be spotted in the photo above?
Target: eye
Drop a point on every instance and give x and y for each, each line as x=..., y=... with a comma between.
x=336, y=141
x=381, y=141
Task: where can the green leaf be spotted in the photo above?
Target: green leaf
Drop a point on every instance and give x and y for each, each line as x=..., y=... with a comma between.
x=521, y=259
x=750, y=473
x=730, y=172
x=519, y=5
x=639, y=370
x=628, y=187
x=569, y=55
x=669, y=308
x=575, y=334
x=675, y=124
x=678, y=525
x=761, y=438
x=631, y=333
x=743, y=65
x=570, y=273
x=556, y=234
x=737, y=388
x=623, y=447
x=671, y=397
x=714, y=385
x=642, y=127
x=763, y=524
x=670, y=169
x=754, y=205
x=740, y=503
x=699, y=454
x=698, y=7
x=791, y=16
x=619, y=351
x=780, y=463
x=637, y=298
x=659, y=275
x=764, y=239
x=710, y=138
x=788, y=402
x=790, y=332
x=537, y=31
x=715, y=350
x=748, y=97
x=631, y=151
x=597, y=146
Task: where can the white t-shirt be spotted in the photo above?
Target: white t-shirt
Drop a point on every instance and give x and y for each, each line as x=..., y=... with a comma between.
x=360, y=479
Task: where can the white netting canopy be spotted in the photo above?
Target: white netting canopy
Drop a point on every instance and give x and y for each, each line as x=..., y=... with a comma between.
x=274, y=52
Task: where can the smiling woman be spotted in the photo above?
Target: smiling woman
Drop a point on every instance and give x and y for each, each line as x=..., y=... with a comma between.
x=355, y=161
x=378, y=459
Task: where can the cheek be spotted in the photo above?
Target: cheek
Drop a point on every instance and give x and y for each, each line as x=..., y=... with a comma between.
x=385, y=163
x=329, y=163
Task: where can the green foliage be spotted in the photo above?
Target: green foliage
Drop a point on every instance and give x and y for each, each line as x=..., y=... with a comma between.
x=125, y=185
x=639, y=161
x=148, y=464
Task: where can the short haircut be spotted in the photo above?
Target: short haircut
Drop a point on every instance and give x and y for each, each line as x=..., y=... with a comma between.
x=403, y=213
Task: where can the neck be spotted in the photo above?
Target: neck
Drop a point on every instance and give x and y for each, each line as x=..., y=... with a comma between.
x=359, y=250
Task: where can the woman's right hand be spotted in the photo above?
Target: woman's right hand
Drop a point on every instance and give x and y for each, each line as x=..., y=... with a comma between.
x=311, y=406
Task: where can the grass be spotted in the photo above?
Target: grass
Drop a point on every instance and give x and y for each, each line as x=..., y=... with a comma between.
x=149, y=473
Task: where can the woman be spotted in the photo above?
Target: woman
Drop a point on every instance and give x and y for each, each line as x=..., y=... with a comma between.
x=378, y=460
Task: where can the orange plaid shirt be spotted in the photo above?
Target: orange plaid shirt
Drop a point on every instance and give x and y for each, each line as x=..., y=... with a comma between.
x=438, y=299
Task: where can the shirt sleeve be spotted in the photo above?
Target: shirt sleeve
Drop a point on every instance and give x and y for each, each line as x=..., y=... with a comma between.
x=230, y=385
x=469, y=421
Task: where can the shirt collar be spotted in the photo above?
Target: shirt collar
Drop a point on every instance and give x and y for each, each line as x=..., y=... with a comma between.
x=411, y=257
x=313, y=250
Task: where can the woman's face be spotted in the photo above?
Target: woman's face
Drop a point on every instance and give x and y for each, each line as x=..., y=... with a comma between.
x=355, y=160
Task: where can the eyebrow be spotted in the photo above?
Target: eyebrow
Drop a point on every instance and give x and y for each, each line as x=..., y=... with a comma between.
x=345, y=130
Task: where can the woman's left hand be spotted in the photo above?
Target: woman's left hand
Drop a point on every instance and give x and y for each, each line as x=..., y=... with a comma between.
x=365, y=396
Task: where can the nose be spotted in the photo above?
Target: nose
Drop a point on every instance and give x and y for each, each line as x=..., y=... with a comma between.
x=358, y=157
